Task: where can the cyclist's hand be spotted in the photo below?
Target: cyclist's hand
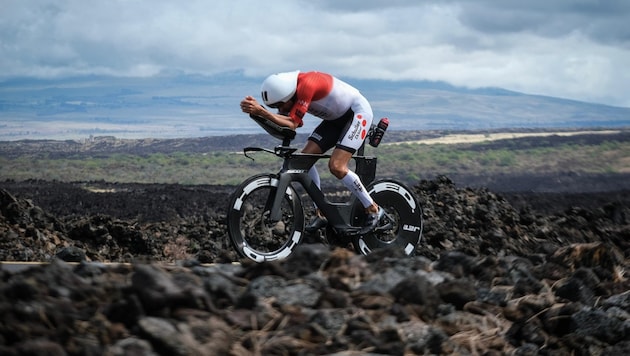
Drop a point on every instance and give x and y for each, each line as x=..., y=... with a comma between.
x=249, y=105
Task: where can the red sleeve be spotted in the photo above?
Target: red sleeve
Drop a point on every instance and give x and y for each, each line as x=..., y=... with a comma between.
x=311, y=86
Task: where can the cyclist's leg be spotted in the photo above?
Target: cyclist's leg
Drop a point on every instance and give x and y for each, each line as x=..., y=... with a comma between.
x=321, y=140
x=326, y=135
x=338, y=166
x=356, y=126
x=314, y=146
x=349, y=141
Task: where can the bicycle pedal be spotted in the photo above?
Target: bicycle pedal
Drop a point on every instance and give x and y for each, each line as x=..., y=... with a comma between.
x=355, y=231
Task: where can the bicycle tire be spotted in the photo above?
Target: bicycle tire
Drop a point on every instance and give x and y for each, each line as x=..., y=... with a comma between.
x=403, y=212
x=252, y=236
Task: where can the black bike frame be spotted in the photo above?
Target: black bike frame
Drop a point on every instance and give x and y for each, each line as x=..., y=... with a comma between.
x=295, y=169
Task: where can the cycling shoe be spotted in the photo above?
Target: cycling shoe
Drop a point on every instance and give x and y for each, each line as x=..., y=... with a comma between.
x=317, y=223
x=372, y=220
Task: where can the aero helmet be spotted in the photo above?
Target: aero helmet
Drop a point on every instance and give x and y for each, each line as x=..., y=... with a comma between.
x=279, y=87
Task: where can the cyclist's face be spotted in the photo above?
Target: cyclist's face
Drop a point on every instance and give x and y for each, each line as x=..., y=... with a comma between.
x=282, y=107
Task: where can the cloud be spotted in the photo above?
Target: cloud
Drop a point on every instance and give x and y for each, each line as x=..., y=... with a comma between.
x=600, y=21
x=572, y=49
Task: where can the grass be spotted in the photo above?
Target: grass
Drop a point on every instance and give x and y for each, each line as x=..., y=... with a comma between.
x=408, y=162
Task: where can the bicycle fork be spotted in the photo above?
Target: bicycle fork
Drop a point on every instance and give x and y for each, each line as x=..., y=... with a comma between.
x=292, y=166
x=283, y=184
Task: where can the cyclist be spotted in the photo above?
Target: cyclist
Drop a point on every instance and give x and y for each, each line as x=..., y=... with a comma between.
x=346, y=119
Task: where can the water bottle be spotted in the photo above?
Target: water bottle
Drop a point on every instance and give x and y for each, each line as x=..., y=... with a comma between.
x=378, y=132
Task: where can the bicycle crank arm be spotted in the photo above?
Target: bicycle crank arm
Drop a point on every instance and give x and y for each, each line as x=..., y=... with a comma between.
x=385, y=227
x=349, y=231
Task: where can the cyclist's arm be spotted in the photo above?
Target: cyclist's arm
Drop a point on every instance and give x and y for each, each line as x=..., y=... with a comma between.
x=249, y=105
x=280, y=119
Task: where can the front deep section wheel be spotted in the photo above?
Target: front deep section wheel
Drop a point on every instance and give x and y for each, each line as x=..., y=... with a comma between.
x=402, y=225
x=251, y=232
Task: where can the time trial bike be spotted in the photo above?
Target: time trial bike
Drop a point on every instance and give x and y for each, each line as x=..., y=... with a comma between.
x=265, y=217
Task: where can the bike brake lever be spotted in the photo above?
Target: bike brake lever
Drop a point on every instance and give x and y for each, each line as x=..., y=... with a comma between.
x=254, y=149
x=246, y=150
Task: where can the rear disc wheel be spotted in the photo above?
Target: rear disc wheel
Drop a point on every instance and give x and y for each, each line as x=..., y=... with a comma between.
x=401, y=228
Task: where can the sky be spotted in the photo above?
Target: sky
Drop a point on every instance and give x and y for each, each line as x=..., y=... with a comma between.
x=574, y=49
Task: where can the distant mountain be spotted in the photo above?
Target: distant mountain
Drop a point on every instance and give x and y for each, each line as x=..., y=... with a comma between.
x=179, y=105
x=438, y=105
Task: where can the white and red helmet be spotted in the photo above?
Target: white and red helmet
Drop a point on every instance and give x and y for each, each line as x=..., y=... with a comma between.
x=279, y=87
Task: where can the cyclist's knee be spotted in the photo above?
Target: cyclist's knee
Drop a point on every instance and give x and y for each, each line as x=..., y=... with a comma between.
x=337, y=169
x=338, y=163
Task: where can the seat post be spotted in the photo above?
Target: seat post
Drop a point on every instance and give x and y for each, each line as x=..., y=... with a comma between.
x=361, y=149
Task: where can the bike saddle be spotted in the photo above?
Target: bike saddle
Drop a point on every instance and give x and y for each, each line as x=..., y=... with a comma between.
x=280, y=132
